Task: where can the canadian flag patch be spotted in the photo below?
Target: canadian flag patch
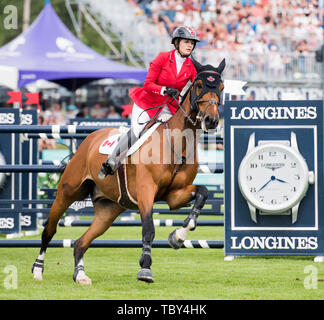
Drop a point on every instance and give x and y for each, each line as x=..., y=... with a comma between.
x=108, y=145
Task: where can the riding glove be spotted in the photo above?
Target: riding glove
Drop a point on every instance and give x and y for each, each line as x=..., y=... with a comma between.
x=171, y=92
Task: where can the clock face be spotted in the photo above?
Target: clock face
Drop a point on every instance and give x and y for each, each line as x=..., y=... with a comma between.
x=273, y=177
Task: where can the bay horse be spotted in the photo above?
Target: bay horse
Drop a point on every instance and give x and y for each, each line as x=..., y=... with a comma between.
x=139, y=185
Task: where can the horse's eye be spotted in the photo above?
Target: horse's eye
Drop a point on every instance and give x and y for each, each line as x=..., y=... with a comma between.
x=199, y=86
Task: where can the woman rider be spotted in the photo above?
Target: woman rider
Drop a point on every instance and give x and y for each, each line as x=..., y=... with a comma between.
x=168, y=73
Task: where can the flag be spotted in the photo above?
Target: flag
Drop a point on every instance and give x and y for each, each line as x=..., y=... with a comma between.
x=33, y=98
x=127, y=109
x=15, y=96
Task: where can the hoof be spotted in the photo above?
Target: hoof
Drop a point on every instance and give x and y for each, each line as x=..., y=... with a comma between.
x=38, y=274
x=85, y=280
x=37, y=271
x=145, y=275
x=80, y=277
x=173, y=241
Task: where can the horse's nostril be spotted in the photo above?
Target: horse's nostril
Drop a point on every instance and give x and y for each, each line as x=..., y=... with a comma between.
x=211, y=122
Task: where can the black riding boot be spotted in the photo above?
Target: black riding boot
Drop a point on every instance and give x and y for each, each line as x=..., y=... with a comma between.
x=112, y=163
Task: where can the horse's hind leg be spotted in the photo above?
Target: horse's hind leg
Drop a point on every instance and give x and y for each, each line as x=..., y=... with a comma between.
x=65, y=196
x=57, y=210
x=105, y=212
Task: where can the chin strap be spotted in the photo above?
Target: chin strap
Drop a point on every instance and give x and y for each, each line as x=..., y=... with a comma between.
x=183, y=55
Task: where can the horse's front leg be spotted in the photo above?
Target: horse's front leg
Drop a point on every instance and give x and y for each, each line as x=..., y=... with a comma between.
x=177, y=199
x=148, y=233
x=145, y=205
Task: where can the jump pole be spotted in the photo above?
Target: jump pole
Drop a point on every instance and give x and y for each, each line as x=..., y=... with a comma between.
x=69, y=243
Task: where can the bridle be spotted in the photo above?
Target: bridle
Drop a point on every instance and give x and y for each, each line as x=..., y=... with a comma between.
x=210, y=84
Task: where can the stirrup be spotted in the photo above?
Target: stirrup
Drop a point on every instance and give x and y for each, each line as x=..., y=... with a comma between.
x=108, y=168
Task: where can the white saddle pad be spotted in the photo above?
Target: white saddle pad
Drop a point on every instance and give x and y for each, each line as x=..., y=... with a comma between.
x=109, y=144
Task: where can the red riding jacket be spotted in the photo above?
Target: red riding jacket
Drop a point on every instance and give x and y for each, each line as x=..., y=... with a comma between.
x=162, y=73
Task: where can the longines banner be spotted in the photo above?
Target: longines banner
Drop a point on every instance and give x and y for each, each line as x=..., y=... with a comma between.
x=274, y=178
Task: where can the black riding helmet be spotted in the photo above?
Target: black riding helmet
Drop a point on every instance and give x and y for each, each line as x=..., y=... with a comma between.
x=184, y=32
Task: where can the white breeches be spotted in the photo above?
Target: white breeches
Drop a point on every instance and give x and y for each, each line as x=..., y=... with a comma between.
x=140, y=118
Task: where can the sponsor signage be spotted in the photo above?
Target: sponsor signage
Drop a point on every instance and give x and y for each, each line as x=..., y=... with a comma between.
x=15, y=222
x=10, y=222
x=264, y=140
x=105, y=123
x=18, y=186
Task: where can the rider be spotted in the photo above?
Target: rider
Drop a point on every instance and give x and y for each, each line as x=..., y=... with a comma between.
x=168, y=73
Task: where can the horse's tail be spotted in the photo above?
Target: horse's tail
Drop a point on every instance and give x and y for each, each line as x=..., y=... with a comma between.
x=64, y=163
x=62, y=167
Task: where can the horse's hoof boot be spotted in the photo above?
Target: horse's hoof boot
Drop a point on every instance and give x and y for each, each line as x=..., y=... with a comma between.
x=145, y=275
x=38, y=269
x=173, y=241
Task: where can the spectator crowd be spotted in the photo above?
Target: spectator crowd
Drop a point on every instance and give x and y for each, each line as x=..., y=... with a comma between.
x=262, y=33
x=222, y=24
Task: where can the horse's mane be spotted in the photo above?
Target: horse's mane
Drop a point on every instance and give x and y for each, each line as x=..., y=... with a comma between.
x=185, y=95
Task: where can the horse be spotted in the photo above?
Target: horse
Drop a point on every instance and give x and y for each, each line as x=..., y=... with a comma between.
x=139, y=185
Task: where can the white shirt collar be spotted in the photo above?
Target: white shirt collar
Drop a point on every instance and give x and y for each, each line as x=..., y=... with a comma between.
x=178, y=57
x=179, y=61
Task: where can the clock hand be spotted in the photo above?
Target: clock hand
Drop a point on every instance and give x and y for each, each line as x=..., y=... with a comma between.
x=272, y=178
x=280, y=180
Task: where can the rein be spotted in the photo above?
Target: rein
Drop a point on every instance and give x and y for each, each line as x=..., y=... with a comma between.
x=195, y=100
x=159, y=108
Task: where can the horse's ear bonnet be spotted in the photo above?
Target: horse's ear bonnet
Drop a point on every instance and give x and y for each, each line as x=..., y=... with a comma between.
x=199, y=67
x=221, y=66
x=211, y=79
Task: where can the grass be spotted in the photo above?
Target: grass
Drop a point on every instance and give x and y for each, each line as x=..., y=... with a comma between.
x=185, y=274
